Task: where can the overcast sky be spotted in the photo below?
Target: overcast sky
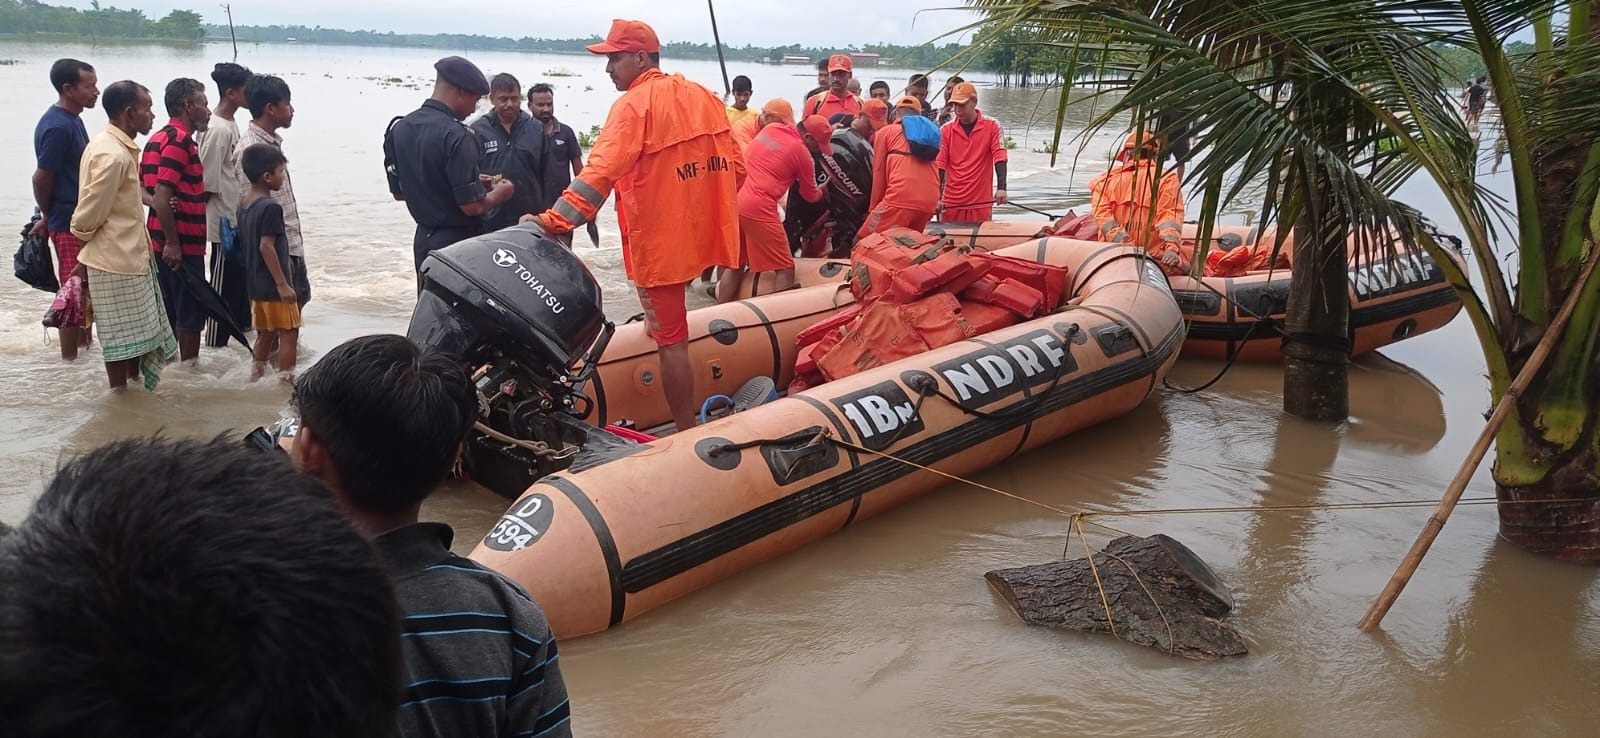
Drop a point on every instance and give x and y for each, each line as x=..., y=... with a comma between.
x=754, y=22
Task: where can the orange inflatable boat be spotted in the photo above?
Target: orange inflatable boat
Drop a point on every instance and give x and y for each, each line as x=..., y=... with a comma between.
x=604, y=545
x=1390, y=299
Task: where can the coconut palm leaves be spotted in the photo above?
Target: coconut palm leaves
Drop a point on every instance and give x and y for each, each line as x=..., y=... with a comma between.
x=1333, y=104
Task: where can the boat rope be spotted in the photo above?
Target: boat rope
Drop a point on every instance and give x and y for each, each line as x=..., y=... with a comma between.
x=1232, y=357
x=1260, y=321
x=537, y=448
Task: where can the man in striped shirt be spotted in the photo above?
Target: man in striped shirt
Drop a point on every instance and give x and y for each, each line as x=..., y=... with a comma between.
x=171, y=172
x=382, y=422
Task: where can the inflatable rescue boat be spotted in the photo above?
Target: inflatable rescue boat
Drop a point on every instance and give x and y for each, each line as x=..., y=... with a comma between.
x=627, y=530
x=1391, y=299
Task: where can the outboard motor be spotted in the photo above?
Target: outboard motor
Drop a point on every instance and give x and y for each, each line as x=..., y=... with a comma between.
x=526, y=316
x=829, y=227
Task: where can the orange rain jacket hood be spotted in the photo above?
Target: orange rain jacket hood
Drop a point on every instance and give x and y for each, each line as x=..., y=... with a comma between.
x=667, y=152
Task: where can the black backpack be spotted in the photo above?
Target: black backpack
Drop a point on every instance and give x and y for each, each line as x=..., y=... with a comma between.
x=391, y=169
x=32, y=263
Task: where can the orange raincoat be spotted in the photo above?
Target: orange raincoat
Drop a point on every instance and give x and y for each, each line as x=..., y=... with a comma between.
x=1121, y=199
x=667, y=152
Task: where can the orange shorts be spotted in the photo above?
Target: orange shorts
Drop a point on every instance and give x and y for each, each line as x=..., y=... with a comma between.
x=666, y=313
x=274, y=316
x=763, y=246
x=885, y=217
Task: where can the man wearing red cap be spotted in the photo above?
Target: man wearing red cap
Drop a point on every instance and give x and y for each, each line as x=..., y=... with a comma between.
x=837, y=98
x=972, y=161
x=779, y=157
x=666, y=150
x=905, y=188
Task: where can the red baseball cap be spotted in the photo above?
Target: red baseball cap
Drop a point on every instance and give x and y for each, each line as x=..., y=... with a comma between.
x=838, y=63
x=628, y=35
x=817, y=126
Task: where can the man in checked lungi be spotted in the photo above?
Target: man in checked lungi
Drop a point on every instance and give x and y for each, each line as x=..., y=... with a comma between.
x=135, y=338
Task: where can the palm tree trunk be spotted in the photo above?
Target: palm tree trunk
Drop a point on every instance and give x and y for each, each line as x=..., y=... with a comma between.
x=1567, y=530
x=1316, y=349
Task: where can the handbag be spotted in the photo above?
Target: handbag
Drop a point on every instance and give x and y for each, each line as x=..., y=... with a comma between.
x=32, y=263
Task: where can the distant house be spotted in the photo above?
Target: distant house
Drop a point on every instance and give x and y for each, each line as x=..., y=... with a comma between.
x=863, y=59
x=792, y=59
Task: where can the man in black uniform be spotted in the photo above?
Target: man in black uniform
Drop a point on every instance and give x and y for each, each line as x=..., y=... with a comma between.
x=511, y=142
x=432, y=162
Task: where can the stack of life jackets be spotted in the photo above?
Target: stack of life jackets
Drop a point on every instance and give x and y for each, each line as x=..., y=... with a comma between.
x=915, y=292
x=1227, y=259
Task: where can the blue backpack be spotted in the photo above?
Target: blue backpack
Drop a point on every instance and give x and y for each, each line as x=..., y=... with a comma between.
x=922, y=135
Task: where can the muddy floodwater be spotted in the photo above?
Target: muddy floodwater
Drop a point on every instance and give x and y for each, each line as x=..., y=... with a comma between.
x=888, y=628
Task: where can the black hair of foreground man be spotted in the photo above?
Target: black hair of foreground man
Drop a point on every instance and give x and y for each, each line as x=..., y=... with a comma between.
x=191, y=588
x=391, y=417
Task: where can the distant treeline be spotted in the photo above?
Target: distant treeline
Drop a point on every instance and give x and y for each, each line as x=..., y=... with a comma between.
x=30, y=17
x=914, y=57
x=26, y=17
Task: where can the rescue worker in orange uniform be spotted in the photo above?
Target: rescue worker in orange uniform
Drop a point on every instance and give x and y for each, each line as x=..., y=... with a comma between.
x=874, y=116
x=666, y=150
x=1132, y=206
x=779, y=157
x=745, y=130
x=905, y=189
x=972, y=161
x=837, y=98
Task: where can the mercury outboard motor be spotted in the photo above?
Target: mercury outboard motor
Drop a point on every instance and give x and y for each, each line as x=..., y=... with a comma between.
x=829, y=227
x=526, y=316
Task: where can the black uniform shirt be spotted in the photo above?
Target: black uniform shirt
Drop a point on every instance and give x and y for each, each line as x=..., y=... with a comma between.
x=436, y=162
x=515, y=155
x=560, y=148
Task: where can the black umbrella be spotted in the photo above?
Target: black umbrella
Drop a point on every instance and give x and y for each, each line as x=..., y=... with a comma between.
x=594, y=234
x=211, y=302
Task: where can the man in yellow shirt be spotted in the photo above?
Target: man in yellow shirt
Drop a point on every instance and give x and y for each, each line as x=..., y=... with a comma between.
x=740, y=109
x=135, y=338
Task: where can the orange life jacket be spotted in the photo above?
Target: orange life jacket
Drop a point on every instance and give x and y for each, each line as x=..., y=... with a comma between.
x=915, y=293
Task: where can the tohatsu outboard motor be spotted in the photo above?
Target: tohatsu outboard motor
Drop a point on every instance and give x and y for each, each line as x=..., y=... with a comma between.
x=828, y=228
x=526, y=316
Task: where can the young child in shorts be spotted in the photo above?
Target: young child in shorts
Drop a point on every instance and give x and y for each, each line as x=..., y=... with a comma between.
x=274, y=308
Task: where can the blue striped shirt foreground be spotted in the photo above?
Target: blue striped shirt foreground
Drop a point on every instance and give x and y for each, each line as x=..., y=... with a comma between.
x=480, y=659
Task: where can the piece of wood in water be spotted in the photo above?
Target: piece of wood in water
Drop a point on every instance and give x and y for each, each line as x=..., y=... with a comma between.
x=1160, y=594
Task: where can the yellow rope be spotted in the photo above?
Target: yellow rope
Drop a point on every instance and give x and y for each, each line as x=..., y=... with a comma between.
x=1098, y=585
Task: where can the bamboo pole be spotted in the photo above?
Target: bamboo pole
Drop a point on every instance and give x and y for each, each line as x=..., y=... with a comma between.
x=1458, y=485
x=727, y=89
x=228, y=8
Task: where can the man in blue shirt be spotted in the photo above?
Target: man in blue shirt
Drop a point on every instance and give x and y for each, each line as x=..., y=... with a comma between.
x=58, y=143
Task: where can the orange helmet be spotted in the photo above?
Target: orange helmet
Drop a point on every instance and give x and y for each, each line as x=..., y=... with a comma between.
x=1142, y=140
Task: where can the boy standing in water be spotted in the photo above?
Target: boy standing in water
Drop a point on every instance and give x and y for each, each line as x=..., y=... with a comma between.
x=274, y=307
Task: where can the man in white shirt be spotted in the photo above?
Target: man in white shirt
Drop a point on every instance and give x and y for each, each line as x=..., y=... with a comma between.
x=218, y=147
